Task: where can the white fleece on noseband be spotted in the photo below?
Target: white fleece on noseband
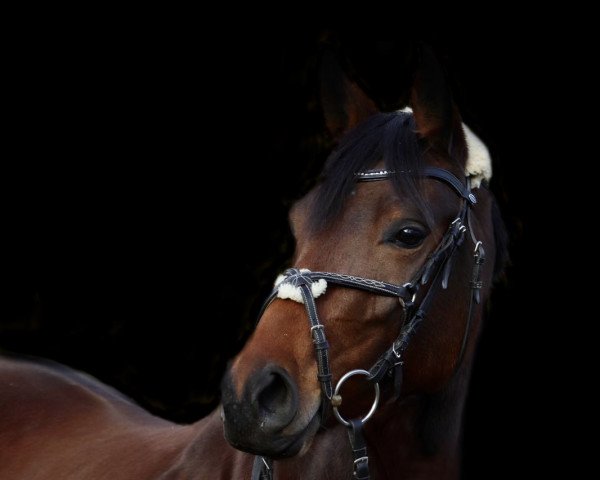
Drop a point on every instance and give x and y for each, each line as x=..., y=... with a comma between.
x=479, y=161
x=291, y=292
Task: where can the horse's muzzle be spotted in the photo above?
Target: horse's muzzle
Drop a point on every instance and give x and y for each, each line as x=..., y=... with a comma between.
x=255, y=423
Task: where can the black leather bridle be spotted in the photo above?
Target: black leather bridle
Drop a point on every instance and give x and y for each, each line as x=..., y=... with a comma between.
x=436, y=270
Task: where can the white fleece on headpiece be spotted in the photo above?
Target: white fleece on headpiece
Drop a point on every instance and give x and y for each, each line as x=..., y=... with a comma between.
x=479, y=162
x=289, y=291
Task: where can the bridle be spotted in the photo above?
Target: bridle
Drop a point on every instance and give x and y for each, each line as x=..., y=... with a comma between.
x=435, y=271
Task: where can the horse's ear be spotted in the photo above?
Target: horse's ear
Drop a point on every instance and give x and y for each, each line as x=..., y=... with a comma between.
x=344, y=103
x=436, y=116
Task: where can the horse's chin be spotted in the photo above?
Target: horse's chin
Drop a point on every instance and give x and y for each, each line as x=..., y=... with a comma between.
x=305, y=438
x=283, y=446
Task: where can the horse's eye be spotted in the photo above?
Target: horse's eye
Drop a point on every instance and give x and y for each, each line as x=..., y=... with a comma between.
x=409, y=237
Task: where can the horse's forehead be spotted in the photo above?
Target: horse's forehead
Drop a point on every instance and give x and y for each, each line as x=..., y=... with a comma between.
x=364, y=199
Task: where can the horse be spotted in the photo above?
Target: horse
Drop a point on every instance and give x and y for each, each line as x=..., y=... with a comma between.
x=359, y=364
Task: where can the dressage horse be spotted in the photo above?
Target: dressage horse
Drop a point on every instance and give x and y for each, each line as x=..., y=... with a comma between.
x=360, y=361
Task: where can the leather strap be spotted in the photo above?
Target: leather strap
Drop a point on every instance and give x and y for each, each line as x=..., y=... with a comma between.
x=359, y=450
x=320, y=342
x=374, y=286
x=475, y=297
x=450, y=179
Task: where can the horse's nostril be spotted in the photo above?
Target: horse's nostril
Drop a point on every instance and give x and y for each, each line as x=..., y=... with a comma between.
x=276, y=398
x=274, y=394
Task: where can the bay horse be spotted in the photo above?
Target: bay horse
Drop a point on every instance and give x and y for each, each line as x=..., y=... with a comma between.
x=360, y=362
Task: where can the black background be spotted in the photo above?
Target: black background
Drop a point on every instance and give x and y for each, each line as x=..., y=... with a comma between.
x=149, y=170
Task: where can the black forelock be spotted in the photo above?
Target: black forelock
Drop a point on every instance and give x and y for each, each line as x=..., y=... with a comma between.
x=391, y=137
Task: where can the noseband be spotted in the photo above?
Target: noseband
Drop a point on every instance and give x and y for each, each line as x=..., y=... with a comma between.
x=299, y=285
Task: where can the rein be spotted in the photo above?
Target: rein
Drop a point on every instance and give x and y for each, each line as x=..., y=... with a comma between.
x=436, y=270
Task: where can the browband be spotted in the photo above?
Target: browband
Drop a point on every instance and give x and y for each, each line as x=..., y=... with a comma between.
x=445, y=176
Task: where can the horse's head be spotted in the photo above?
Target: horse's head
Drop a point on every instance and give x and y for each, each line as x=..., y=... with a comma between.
x=398, y=231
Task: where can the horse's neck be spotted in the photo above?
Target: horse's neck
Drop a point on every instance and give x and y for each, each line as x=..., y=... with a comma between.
x=207, y=456
x=419, y=436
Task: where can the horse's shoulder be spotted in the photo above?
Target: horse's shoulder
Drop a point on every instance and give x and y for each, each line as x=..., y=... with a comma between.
x=54, y=420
